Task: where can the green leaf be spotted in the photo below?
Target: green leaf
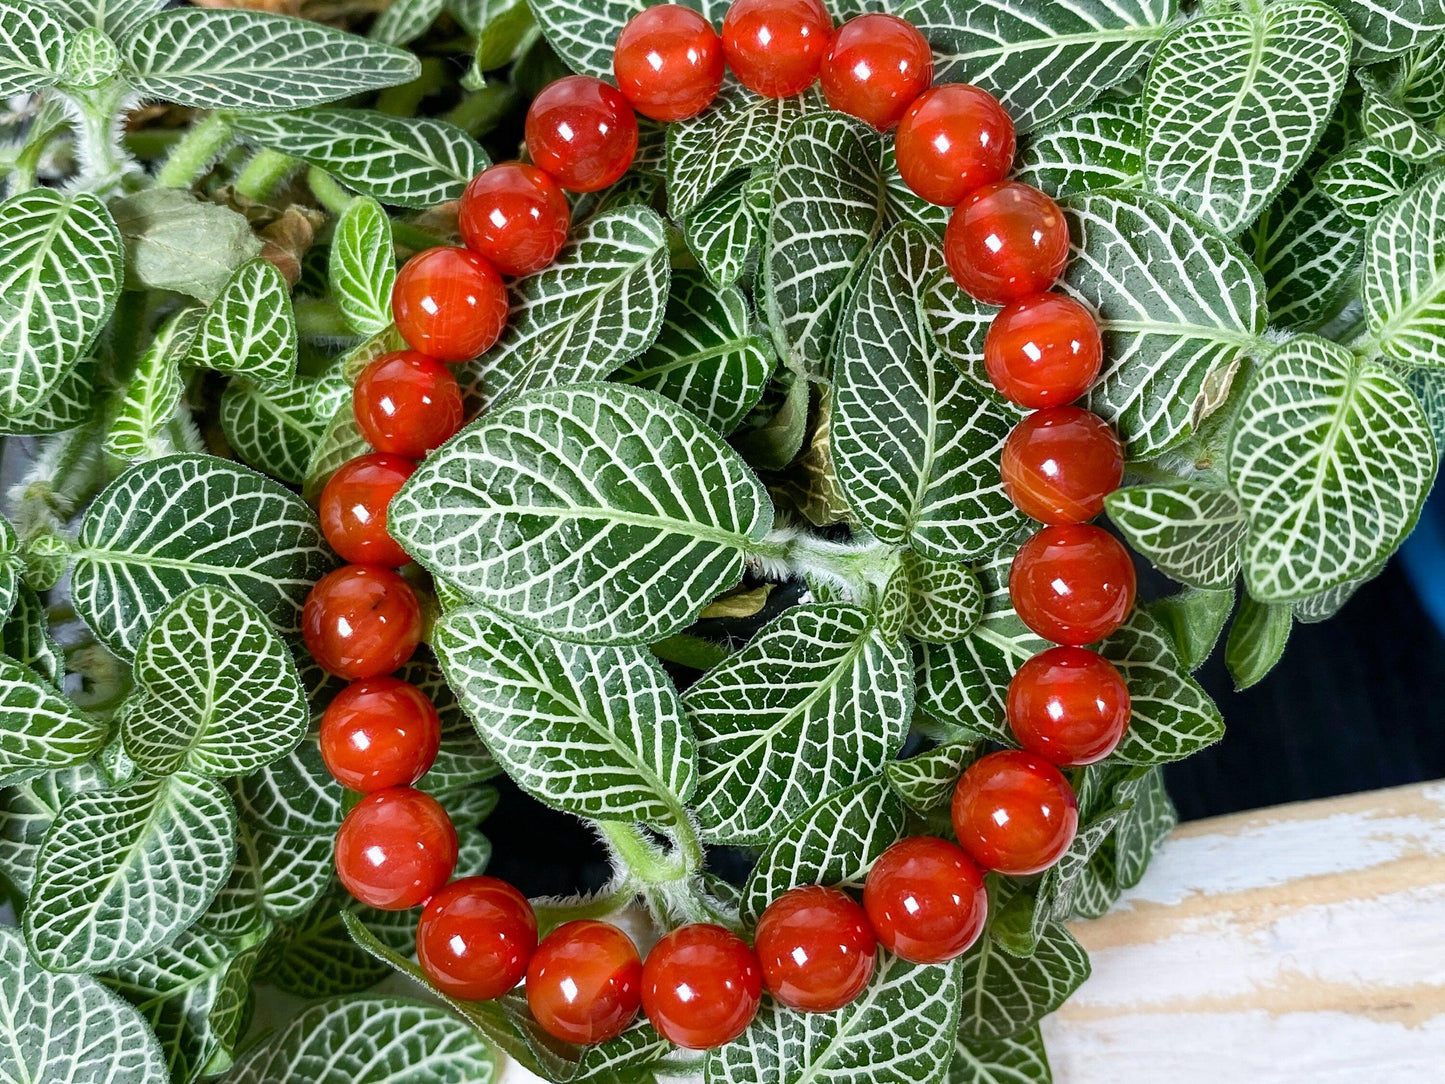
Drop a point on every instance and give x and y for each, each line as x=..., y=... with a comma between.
x=1404, y=277
x=371, y=1041
x=68, y=1027
x=1148, y=822
x=12, y=564
x=170, y=524
x=1307, y=248
x=1172, y=717
x=706, y=358
x=1040, y=59
x=723, y=232
x=1398, y=132
x=915, y=445
x=1019, y=1059
x=1384, y=28
x=527, y=510
x=27, y=639
x=1332, y=461
x=834, y=843
x=583, y=35
x=249, y=329
x=1004, y=995
x=399, y=161
x=1257, y=640
x=1194, y=619
x=340, y=441
x=1415, y=81
x=1191, y=533
x=503, y=28
x=251, y=60
x=32, y=49
x=362, y=267
x=945, y=600
x=273, y=431
x=28, y=809
x=927, y=780
x=217, y=690
x=60, y=275
x=39, y=728
x=1095, y=148
x=174, y=241
x=1364, y=179
x=275, y=878
x=1235, y=103
x=115, y=17
x=72, y=403
x=122, y=872
x=597, y=731
x=153, y=394
x=899, y=1031
x=295, y=796
x=816, y=702
x=403, y=21
x=316, y=957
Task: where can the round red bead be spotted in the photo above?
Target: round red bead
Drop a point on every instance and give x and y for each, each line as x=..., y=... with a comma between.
x=1072, y=583
x=582, y=132
x=668, y=62
x=1014, y=812
x=954, y=139
x=816, y=948
x=379, y=733
x=926, y=900
x=475, y=938
x=1043, y=351
x=1006, y=241
x=584, y=984
x=701, y=986
x=449, y=304
x=875, y=66
x=515, y=216
x=1060, y=463
x=407, y=404
x=1068, y=705
x=361, y=622
x=353, y=504
x=775, y=47
x=395, y=849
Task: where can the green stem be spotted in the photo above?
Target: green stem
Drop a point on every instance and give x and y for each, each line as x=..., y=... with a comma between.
x=859, y=569
x=647, y=862
x=607, y=902
x=263, y=173
x=327, y=191
x=98, y=144
x=319, y=318
x=192, y=156
x=479, y=112
x=413, y=237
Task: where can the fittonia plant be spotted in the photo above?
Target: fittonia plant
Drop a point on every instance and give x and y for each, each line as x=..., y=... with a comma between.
x=196, y=257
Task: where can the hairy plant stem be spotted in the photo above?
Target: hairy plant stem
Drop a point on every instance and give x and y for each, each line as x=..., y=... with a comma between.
x=648, y=863
x=327, y=191
x=193, y=155
x=105, y=165
x=263, y=173
x=861, y=568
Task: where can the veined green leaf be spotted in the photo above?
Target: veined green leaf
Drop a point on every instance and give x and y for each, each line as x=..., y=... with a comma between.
x=122, y=872
x=60, y=274
x=1257, y=640
x=315, y=956
x=32, y=49
x=1404, y=276
x=339, y=442
x=175, y=241
x=527, y=511
x=945, y=600
x=1098, y=147
x=170, y=524
x=68, y=1027
x=1194, y=620
x=39, y=728
x=26, y=636
x=1003, y=994
x=363, y=266
x=583, y=34
x=275, y=879
x=503, y=29
x=1150, y=819
x=1384, y=28
x=1364, y=179
x=115, y=17
x=1171, y=716
x=1191, y=533
x=12, y=564
x=295, y=796
x=1019, y=1059
x=153, y=393
x=1415, y=81
x=70, y=404
x=28, y=809
x=816, y=702
x=250, y=329
x=403, y=21
x=272, y=430
x=723, y=231
x=927, y=781
x=1397, y=131
x=1306, y=246
x=463, y=760
x=251, y=60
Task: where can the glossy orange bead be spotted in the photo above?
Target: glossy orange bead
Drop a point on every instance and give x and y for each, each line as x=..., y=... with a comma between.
x=668, y=62
x=361, y=621
x=926, y=900
x=515, y=216
x=407, y=404
x=475, y=938
x=582, y=132
x=1060, y=463
x=584, y=984
x=395, y=849
x=954, y=138
x=449, y=304
x=1006, y=241
x=379, y=733
x=1069, y=706
x=701, y=986
x=875, y=66
x=353, y=504
x=775, y=47
x=1014, y=812
x=816, y=949
x=1044, y=350
x=1072, y=583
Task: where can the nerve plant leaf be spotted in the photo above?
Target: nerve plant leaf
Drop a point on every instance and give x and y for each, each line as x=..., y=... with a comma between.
x=40, y=729
x=32, y=49
x=1404, y=276
x=363, y=266
x=1095, y=148
x=250, y=330
x=1191, y=533
x=1004, y=995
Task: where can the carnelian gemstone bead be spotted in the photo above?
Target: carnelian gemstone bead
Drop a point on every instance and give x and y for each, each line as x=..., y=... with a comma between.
x=926, y=900
x=353, y=504
x=395, y=849
x=874, y=67
x=515, y=216
x=953, y=139
x=1006, y=241
x=475, y=938
x=1060, y=463
x=449, y=304
x=1043, y=351
x=361, y=621
x=584, y=984
x=582, y=132
x=668, y=62
x=775, y=47
x=1072, y=583
x=701, y=986
x=407, y=404
x=1068, y=705
x=378, y=733
x=816, y=948
x=1014, y=812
